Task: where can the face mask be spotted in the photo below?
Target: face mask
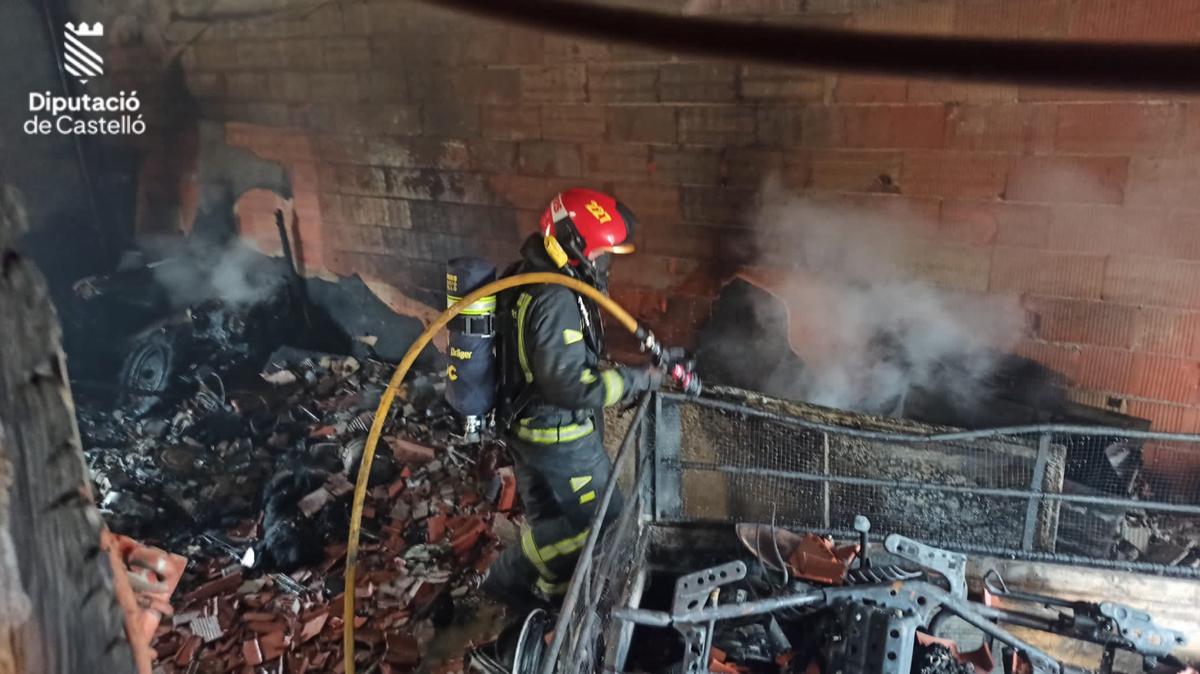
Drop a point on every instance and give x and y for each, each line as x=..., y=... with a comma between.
x=601, y=266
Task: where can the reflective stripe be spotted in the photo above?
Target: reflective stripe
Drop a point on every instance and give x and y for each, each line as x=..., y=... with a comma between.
x=572, y=336
x=523, y=308
x=530, y=550
x=588, y=497
x=580, y=482
x=588, y=377
x=566, y=546
x=552, y=589
x=550, y=436
x=614, y=387
x=487, y=305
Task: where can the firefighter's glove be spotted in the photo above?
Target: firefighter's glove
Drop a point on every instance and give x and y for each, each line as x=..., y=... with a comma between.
x=682, y=370
x=683, y=376
x=670, y=356
x=639, y=380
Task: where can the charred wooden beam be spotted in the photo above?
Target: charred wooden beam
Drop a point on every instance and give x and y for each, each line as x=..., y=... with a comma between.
x=73, y=623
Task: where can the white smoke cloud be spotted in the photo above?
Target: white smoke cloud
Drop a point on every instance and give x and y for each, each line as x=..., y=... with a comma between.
x=197, y=272
x=866, y=330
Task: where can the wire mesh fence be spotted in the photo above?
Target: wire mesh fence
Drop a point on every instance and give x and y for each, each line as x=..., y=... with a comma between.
x=1103, y=497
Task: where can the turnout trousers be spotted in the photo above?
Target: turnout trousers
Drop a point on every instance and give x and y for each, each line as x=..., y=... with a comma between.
x=560, y=480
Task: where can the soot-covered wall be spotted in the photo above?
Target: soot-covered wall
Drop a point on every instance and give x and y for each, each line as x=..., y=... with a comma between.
x=411, y=135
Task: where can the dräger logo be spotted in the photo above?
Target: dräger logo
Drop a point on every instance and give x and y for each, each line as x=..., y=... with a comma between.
x=62, y=114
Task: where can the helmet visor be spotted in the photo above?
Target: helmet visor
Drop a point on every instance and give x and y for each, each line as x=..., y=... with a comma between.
x=619, y=249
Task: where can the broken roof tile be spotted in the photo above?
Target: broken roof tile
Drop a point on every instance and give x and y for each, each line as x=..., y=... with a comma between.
x=435, y=528
x=339, y=485
x=322, y=432
x=313, y=503
x=465, y=537
x=402, y=649
x=265, y=627
x=395, y=488
x=312, y=627
x=273, y=645
x=187, y=652
x=222, y=585
x=508, y=491
x=407, y=451
x=252, y=652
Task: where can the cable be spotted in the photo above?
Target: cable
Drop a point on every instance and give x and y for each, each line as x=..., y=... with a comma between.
x=385, y=403
x=1091, y=64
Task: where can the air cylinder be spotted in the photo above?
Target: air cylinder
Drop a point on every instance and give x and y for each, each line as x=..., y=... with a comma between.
x=471, y=372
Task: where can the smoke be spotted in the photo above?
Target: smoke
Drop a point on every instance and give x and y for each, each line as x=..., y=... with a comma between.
x=867, y=331
x=199, y=271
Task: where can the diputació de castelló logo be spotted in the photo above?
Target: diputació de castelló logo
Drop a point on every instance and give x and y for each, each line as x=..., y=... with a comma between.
x=85, y=114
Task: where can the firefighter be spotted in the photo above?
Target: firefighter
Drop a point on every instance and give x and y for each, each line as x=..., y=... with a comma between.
x=554, y=393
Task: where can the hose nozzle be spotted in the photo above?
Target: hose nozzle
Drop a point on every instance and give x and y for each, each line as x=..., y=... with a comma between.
x=686, y=379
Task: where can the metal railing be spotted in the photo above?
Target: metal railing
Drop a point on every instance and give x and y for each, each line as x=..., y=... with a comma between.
x=603, y=577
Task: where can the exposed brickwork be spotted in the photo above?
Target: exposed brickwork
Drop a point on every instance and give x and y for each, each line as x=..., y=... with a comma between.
x=413, y=135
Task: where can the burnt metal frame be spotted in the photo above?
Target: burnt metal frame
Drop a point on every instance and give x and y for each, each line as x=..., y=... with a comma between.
x=695, y=590
x=919, y=599
x=657, y=498
x=668, y=467
x=952, y=565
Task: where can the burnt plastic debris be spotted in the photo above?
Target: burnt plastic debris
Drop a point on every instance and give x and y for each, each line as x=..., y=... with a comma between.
x=211, y=340
x=140, y=333
x=289, y=539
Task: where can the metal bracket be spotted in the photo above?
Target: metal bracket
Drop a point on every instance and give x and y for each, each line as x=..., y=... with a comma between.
x=881, y=574
x=874, y=640
x=951, y=565
x=1139, y=629
x=903, y=598
x=692, y=591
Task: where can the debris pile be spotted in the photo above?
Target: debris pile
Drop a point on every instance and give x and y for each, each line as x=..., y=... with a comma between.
x=254, y=487
x=1159, y=539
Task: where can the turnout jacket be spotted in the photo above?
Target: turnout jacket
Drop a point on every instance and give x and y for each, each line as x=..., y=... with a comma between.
x=551, y=345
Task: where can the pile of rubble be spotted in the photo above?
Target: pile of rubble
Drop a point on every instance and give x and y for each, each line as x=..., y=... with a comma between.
x=254, y=488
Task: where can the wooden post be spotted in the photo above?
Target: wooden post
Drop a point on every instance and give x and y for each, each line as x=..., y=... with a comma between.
x=73, y=623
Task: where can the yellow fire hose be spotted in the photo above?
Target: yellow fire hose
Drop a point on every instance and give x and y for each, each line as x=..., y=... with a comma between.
x=385, y=404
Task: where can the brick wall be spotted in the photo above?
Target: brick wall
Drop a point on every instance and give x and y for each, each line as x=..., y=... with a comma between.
x=414, y=135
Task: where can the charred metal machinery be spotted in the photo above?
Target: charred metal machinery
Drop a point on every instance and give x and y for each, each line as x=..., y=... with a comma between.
x=1111, y=625
x=877, y=627
x=792, y=600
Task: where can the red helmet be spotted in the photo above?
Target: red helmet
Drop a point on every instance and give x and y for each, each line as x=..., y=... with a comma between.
x=586, y=223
